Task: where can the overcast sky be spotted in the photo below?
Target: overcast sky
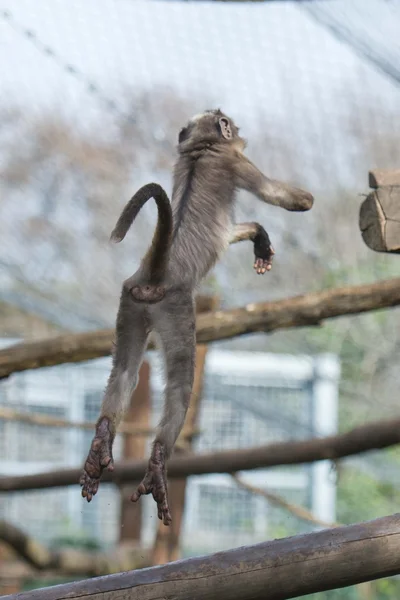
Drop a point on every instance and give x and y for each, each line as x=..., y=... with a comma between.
x=249, y=58
x=271, y=55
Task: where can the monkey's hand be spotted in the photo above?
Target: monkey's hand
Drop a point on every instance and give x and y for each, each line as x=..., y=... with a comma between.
x=263, y=251
x=99, y=457
x=155, y=482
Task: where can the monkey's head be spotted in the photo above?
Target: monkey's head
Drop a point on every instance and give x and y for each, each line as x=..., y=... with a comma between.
x=208, y=128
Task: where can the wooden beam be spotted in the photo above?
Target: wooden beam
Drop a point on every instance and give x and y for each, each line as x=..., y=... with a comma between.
x=384, y=177
x=166, y=544
x=300, y=311
x=125, y=428
x=69, y=561
x=138, y=413
x=277, y=570
x=380, y=212
x=380, y=220
x=373, y=436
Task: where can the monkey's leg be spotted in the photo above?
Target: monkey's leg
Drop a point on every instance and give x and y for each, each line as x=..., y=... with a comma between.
x=131, y=337
x=175, y=322
x=271, y=191
x=263, y=250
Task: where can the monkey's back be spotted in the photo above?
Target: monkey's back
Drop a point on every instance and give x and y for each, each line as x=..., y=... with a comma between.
x=202, y=205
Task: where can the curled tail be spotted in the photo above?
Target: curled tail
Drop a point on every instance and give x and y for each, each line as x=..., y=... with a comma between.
x=157, y=256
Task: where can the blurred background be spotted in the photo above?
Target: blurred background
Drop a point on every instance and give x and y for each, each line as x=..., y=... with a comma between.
x=92, y=97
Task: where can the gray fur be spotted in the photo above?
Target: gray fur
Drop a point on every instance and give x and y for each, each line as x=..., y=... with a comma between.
x=209, y=169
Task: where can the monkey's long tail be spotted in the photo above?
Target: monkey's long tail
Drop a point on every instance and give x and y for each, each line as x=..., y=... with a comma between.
x=158, y=253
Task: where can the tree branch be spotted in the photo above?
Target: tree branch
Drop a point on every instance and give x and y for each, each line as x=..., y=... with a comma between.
x=298, y=511
x=309, y=309
x=9, y=414
x=373, y=436
x=278, y=569
x=69, y=561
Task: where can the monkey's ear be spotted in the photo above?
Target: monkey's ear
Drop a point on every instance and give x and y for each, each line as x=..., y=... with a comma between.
x=225, y=128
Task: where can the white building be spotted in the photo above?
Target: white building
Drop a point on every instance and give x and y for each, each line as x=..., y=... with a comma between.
x=249, y=399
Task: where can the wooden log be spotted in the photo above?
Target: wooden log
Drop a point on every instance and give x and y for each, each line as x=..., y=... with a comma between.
x=384, y=177
x=166, y=543
x=138, y=413
x=373, y=436
x=277, y=570
x=129, y=429
x=69, y=561
x=295, y=509
x=380, y=212
x=124, y=428
x=300, y=311
x=379, y=220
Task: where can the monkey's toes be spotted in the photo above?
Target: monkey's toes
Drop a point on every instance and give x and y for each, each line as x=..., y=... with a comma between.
x=261, y=266
x=163, y=514
x=155, y=483
x=93, y=469
x=99, y=458
x=89, y=486
x=157, y=487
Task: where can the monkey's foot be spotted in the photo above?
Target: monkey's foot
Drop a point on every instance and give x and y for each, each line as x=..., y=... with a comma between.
x=155, y=482
x=150, y=294
x=99, y=457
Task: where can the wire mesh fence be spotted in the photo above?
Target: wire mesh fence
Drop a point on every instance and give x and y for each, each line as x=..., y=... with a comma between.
x=92, y=97
x=242, y=407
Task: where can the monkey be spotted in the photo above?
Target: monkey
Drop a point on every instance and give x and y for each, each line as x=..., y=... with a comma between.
x=192, y=232
x=145, y=284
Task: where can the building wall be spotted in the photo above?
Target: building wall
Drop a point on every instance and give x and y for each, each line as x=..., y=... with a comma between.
x=248, y=399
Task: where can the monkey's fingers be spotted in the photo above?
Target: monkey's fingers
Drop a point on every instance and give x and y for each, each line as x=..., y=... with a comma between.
x=261, y=265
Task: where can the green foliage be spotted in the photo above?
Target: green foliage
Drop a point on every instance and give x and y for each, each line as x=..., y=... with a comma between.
x=349, y=593
x=361, y=497
x=382, y=589
x=70, y=536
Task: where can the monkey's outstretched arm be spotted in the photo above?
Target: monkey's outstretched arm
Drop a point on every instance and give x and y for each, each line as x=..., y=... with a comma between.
x=274, y=192
x=263, y=250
